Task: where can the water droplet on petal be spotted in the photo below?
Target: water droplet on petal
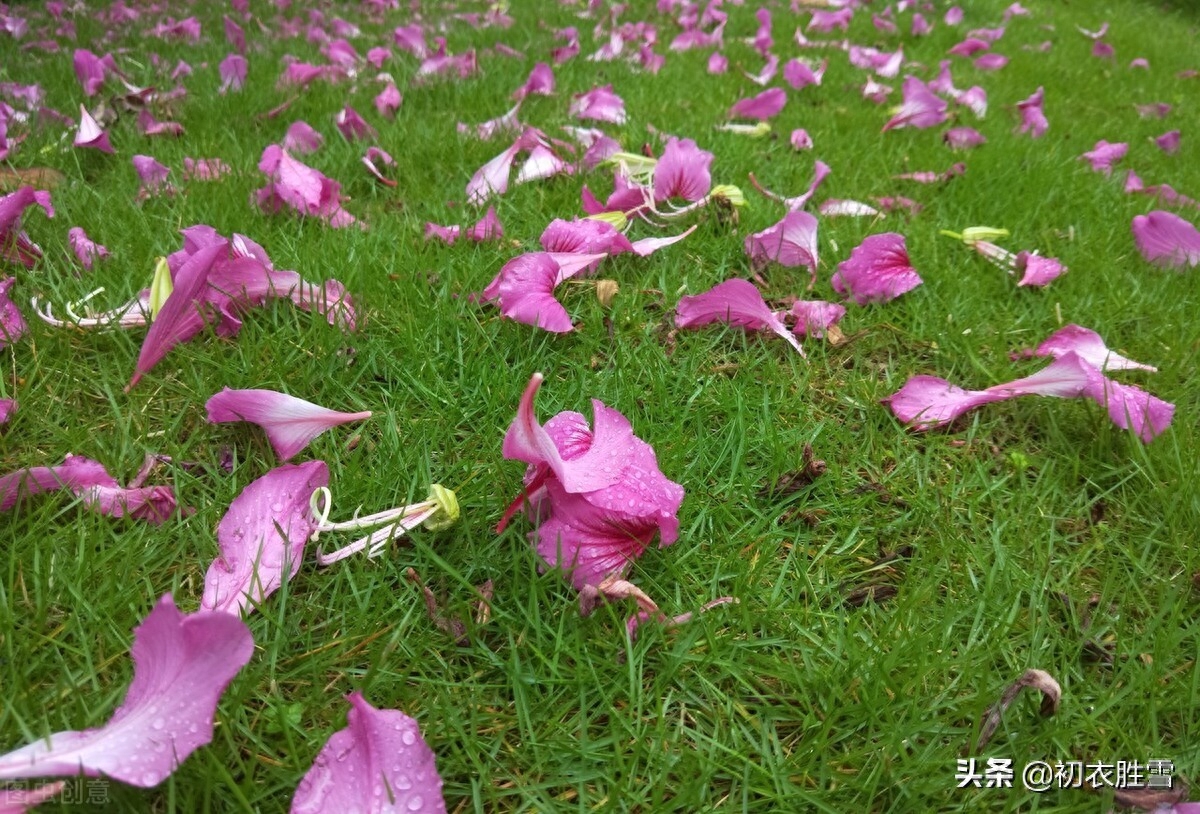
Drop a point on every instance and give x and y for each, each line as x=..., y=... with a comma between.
x=415, y=802
x=158, y=723
x=408, y=737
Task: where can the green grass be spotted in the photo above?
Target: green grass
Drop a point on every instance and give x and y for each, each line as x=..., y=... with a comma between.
x=790, y=700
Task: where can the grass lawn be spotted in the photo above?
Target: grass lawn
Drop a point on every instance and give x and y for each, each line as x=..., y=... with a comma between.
x=882, y=608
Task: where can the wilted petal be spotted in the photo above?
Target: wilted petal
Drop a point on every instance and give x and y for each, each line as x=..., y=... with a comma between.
x=878, y=270
x=762, y=107
x=791, y=242
x=921, y=108
x=682, y=171
x=378, y=763
x=153, y=504
x=375, y=154
x=493, y=127
x=290, y=423
x=1089, y=346
x=649, y=245
x=825, y=21
x=1104, y=155
x=814, y=317
x=181, y=666
x=991, y=62
x=89, y=133
x=492, y=178
x=733, y=302
x=821, y=171
x=1166, y=239
x=261, y=536
x=717, y=63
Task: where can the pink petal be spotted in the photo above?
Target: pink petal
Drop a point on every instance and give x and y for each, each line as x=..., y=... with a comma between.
x=1168, y=142
x=181, y=666
x=153, y=504
x=649, y=245
x=1088, y=345
x=152, y=174
x=15, y=245
x=539, y=83
x=301, y=139
x=963, y=138
x=792, y=242
x=261, y=536
x=89, y=133
x=1033, y=120
x=1104, y=155
x=524, y=290
x=1166, y=239
x=486, y=228
x=233, y=70
x=542, y=163
x=446, y=234
x=378, y=763
x=682, y=171
x=352, y=126
x=19, y=800
x=717, y=63
x=821, y=171
x=89, y=69
x=921, y=109
x=762, y=107
x=1037, y=270
x=290, y=423
x=734, y=302
x=991, y=62
x=814, y=317
x=836, y=207
x=584, y=236
x=878, y=270
x=8, y=407
x=801, y=140
x=388, y=101
x=86, y=251
x=76, y=473
x=492, y=178
x=1130, y=407
x=825, y=21
x=205, y=169
x=384, y=158
x=493, y=127
x=601, y=104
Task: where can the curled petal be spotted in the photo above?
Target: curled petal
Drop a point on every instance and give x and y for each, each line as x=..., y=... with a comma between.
x=734, y=302
x=290, y=423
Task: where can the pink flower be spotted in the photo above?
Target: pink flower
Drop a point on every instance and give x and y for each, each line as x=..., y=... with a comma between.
x=446, y=234
x=800, y=74
x=290, y=423
x=378, y=763
x=953, y=16
x=601, y=104
x=1036, y=270
x=1166, y=239
x=262, y=536
x=524, y=290
x=542, y=163
x=153, y=175
x=825, y=21
x=388, y=101
x=682, y=171
x=597, y=491
x=301, y=188
x=801, y=140
x=717, y=63
x=86, y=251
x=878, y=270
x=352, y=126
x=90, y=70
x=814, y=317
x=1102, y=50
x=1033, y=120
x=151, y=126
x=7, y=408
x=1168, y=142
x=963, y=138
x=486, y=228
x=181, y=666
x=1104, y=155
x=233, y=70
x=234, y=34
x=920, y=26
x=734, y=302
x=762, y=107
x=15, y=245
x=1089, y=346
x=539, y=83
x=921, y=109
x=90, y=134
x=301, y=138
x=791, y=242
x=492, y=178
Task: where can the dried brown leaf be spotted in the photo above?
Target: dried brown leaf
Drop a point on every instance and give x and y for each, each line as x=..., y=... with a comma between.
x=1041, y=681
x=606, y=292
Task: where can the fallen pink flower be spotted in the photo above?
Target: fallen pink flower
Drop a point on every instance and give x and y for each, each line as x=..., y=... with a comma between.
x=181, y=666
x=542, y=163
x=1104, y=155
x=1089, y=346
x=262, y=536
x=1033, y=120
x=991, y=62
x=878, y=270
x=883, y=25
x=801, y=140
x=153, y=176
x=151, y=126
x=486, y=228
x=1168, y=142
x=443, y=63
x=683, y=171
x=601, y=104
x=1036, y=270
x=875, y=92
x=188, y=29
x=920, y=26
x=378, y=154
x=734, y=302
x=232, y=69
x=301, y=188
x=1166, y=239
x=90, y=70
x=411, y=38
x=717, y=63
x=762, y=107
x=15, y=245
x=378, y=763
x=585, y=236
x=301, y=138
x=539, y=83
x=963, y=138
x=1015, y=10
x=524, y=291
x=388, y=101
x=352, y=126
x=597, y=491
x=921, y=109
x=492, y=178
x=8, y=407
x=792, y=242
x=814, y=317
x=86, y=250
x=205, y=169
x=446, y=234
x=1164, y=192
x=766, y=74
x=884, y=63
x=290, y=423
x=89, y=133
x=824, y=22
x=800, y=74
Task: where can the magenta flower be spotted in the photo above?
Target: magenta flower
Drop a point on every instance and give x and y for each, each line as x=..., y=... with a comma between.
x=1036, y=270
x=963, y=138
x=601, y=104
x=8, y=407
x=734, y=302
x=90, y=70
x=542, y=163
x=261, y=536
x=352, y=126
x=814, y=317
x=920, y=26
x=290, y=423
x=1104, y=155
x=524, y=290
x=486, y=228
x=181, y=666
x=878, y=270
x=89, y=133
x=89, y=481
x=824, y=22
x=539, y=83
x=378, y=763
x=953, y=16
x=1166, y=240
x=233, y=70
x=791, y=242
x=718, y=63
x=1168, y=142
x=388, y=101
x=153, y=176
x=762, y=107
x=1089, y=346
x=597, y=491
x=301, y=188
x=991, y=62
x=15, y=245
x=800, y=74
x=921, y=108
x=801, y=140
x=12, y=324
x=1033, y=120
x=301, y=138
x=683, y=171
x=86, y=250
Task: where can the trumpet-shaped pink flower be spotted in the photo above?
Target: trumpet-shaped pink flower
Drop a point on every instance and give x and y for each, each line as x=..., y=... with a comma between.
x=1104, y=155
x=878, y=270
x=301, y=138
x=290, y=423
x=764, y=106
x=734, y=302
x=791, y=242
x=601, y=104
x=90, y=134
x=597, y=491
x=12, y=324
x=1036, y=270
x=181, y=666
x=921, y=108
x=232, y=69
x=1166, y=239
x=1033, y=119
x=262, y=536
x=378, y=763
x=301, y=188
x=683, y=171
x=814, y=317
